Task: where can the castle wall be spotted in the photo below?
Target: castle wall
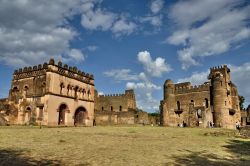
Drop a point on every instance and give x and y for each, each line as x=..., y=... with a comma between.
x=215, y=101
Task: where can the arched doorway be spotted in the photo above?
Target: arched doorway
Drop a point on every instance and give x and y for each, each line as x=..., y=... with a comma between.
x=81, y=115
x=61, y=117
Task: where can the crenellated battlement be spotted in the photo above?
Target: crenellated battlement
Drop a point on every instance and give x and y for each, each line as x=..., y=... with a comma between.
x=189, y=89
x=61, y=69
x=112, y=95
x=219, y=68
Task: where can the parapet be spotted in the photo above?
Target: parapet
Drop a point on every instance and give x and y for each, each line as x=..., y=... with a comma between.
x=188, y=88
x=40, y=69
x=219, y=68
x=127, y=93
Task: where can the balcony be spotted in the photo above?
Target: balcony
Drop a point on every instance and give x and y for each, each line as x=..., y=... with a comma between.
x=178, y=111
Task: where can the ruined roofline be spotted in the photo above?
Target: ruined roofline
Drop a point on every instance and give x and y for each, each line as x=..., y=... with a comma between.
x=112, y=95
x=60, y=66
x=195, y=88
x=117, y=95
x=217, y=68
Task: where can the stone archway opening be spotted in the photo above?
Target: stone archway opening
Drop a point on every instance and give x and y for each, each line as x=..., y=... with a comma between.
x=61, y=111
x=81, y=115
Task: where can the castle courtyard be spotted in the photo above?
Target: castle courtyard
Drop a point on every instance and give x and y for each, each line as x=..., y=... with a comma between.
x=120, y=145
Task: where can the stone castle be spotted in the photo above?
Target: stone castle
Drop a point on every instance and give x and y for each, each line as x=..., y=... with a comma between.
x=215, y=102
x=56, y=94
x=52, y=94
x=118, y=109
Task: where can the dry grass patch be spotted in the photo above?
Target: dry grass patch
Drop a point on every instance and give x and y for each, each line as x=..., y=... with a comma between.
x=121, y=146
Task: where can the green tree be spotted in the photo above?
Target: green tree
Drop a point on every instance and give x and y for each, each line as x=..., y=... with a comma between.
x=242, y=100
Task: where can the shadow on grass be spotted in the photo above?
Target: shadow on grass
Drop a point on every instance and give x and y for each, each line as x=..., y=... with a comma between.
x=17, y=158
x=239, y=150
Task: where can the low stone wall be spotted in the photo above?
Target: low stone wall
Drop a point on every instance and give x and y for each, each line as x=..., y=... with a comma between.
x=114, y=118
x=245, y=131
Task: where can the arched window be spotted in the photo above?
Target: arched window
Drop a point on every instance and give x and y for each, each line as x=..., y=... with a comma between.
x=68, y=87
x=61, y=87
x=76, y=89
x=206, y=103
x=120, y=108
x=178, y=105
x=111, y=108
x=102, y=108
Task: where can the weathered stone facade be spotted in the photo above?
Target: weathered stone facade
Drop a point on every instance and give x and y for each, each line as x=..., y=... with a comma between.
x=245, y=116
x=118, y=109
x=52, y=94
x=214, y=102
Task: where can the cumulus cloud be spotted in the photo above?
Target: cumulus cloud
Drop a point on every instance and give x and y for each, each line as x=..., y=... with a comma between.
x=121, y=75
x=240, y=76
x=156, y=6
x=153, y=20
x=92, y=48
x=207, y=29
x=155, y=67
x=96, y=18
x=196, y=78
x=123, y=27
x=144, y=87
x=76, y=55
x=33, y=31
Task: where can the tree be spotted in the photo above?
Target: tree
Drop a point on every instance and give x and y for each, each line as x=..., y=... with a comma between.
x=242, y=100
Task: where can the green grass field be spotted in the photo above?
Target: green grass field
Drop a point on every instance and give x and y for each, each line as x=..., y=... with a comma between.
x=139, y=145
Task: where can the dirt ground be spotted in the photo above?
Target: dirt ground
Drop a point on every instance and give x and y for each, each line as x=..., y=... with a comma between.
x=121, y=145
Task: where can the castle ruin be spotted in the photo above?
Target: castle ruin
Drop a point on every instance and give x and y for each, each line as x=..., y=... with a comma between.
x=52, y=94
x=118, y=109
x=215, y=102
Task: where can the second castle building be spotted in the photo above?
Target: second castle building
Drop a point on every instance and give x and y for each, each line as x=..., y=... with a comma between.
x=213, y=103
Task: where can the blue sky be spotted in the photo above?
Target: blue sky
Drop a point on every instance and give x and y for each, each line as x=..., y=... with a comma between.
x=129, y=43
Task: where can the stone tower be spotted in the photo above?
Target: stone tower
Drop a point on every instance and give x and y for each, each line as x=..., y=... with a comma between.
x=169, y=99
x=219, y=95
x=224, y=97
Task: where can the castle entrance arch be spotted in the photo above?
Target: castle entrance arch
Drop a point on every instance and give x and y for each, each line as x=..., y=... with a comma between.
x=61, y=111
x=81, y=115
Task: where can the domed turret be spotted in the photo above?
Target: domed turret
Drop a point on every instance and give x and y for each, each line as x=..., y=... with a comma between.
x=168, y=88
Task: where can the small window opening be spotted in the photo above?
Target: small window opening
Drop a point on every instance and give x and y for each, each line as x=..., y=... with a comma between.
x=178, y=105
x=206, y=102
x=120, y=108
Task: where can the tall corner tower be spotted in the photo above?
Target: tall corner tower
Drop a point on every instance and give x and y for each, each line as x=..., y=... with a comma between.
x=168, y=102
x=220, y=79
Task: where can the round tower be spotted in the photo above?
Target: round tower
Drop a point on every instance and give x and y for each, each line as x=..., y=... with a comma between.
x=220, y=102
x=168, y=103
x=168, y=89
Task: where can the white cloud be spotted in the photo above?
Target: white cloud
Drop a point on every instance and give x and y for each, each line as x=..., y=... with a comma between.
x=153, y=20
x=155, y=67
x=142, y=85
x=123, y=27
x=144, y=88
x=121, y=75
x=96, y=18
x=156, y=6
x=35, y=31
x=207, y=29
x=197, y=78
x=101, y=93
x=241, y=77
x=76, y=55
x=92, y=48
